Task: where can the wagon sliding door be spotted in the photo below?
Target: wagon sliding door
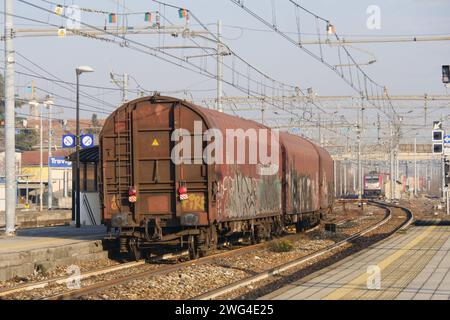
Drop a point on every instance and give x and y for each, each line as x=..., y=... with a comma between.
x=154, y=174
x=192, y=172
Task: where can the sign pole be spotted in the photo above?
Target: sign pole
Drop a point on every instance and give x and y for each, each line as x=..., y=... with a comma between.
x=448, y=203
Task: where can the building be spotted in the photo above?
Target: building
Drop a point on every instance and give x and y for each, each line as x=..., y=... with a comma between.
x=2, y=175
x=31, y=174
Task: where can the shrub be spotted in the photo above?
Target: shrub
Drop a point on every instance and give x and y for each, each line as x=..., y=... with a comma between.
x=281, y=246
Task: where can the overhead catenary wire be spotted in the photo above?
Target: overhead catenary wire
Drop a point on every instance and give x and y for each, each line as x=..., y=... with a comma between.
x=203, y=72
x=314, y=55
x=183, y=65
x=96, y=107
x=63, y=106
x=274, y=87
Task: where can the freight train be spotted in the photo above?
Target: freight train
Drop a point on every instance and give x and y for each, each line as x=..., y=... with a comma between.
x=159, y=185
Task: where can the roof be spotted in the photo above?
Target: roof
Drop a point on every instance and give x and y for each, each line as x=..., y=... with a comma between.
x=32, y=158
x=87, y=155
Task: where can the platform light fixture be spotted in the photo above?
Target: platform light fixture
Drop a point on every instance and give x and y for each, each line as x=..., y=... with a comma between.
x=79, y=71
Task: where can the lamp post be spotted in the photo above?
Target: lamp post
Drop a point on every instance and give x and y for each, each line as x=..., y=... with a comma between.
x=78, y=71
x=36, y=104
x=48, y=103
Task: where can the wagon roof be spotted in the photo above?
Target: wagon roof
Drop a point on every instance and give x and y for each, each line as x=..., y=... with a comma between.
x=221, y=120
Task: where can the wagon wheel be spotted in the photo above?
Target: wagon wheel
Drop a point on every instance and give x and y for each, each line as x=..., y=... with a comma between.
x=268, y=230
x=259, y=234
x=193, y=247
x=135, y=253
x=301, y=226
x=207, y=240
x=213, y=238
x=277, y=228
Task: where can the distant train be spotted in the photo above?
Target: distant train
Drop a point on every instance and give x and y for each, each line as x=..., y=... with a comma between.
x=373, y=185
x=154, y=201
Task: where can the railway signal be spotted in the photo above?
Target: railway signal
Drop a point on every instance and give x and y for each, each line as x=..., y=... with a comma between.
x=445, y=74
x=438, y=137
x=437, y=148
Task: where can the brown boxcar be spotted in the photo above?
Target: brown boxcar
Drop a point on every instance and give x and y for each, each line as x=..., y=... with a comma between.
x=154, y=200
x=326, y=179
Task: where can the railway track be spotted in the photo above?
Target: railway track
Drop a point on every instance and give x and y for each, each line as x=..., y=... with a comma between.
x=94, y=288
x=98, y=272
x=292, y=264
x=74, y=294
x=105, y=270
x=136, y=275
x=65, y=279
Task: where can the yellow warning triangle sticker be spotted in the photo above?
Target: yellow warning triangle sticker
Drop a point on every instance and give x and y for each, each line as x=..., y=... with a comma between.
x=155, y=143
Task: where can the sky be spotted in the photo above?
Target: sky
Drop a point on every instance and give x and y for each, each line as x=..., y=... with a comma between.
x=404, y=68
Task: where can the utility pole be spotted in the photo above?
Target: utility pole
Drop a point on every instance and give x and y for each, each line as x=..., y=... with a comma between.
x=125, y=88
x=320, y=131
x=425, y=108
x=359, y=164
x=397, y=165
x=78, y=71
x=359, y=132
x=334, y=178
x=10, y=139
x=415, y=167
x=345, y=178
x=122, y=84
x=219, y=106
x=391, y=169
x=443, y=178
x=41, y=162
x=262, y=111
x=77, y=157
x=49, y=103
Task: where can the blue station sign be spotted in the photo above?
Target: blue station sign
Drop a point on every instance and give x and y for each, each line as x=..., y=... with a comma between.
x=68, y=141
x=87, y=140
x=59, y=162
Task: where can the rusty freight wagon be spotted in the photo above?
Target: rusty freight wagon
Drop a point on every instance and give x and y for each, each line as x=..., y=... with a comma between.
x=173, y=172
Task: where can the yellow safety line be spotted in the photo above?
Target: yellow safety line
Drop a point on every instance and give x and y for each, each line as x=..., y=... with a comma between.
x=362, y=279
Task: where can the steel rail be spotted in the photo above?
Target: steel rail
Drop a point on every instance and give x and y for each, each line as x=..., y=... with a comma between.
x=90, y=274
x=77, y=293
x=73, y=294
x=65, y=279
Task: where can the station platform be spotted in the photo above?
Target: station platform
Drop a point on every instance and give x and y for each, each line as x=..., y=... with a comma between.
x=410, y=266
x=47, y=248
x=34, y=219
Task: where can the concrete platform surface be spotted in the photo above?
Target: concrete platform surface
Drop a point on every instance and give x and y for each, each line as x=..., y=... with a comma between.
x=46, y=248
x=34, y=219
x=415, y=265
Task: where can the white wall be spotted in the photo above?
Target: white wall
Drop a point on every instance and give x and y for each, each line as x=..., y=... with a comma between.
x=94, y=203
